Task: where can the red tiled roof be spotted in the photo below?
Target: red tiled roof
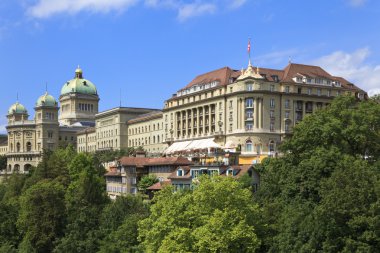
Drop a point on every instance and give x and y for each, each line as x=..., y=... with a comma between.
x=222, y=75
x=292, y=70
x=146, y=161
x=159, y=185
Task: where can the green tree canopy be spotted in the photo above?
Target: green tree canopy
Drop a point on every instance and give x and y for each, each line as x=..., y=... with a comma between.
x=42, y=215
x=217, y=216
x=147, y=181
x=322, y=194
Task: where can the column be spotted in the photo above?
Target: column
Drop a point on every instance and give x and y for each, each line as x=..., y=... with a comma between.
x=204, y=120
x=260, y=112
x=303, y=109
x=242, y=122
x=209, y=119
x=186, y=122
x=256, y=111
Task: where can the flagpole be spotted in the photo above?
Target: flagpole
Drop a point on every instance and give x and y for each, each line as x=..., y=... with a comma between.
x=249, y=51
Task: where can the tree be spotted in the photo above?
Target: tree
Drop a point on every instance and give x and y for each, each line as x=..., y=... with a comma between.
x=218, y=208
x=42, y=215
x=3, y=162
x=119, y=224
x=85, y=199
x=147, y=181
x=322, y=194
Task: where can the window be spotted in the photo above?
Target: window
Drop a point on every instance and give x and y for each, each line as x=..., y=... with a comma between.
x=287, y=103
x=299, y=90
x=286, y=126
x=180, y=173
x=28, y=146
x=287, y=114
x=272, y=87
x=271, y=146
x=287, y=89
x=271, y=126
x=308, y=91
x=248, y=126
x=271, y=114
x=231, y=117
x=249, y=114
x=50, y=135
x=249, y=103
x=319, y=92
x=272, y=103
x=249, y=86
x=18, y=146
x=230, y=104
x=248, y=146
x=328, y=93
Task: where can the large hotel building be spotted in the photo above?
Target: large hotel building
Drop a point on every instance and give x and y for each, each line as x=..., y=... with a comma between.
x=225, y=113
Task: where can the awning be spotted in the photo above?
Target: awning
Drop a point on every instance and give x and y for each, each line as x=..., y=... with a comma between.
x=191, y=145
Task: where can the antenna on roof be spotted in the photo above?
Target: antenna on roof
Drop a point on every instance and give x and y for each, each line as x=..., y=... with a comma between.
x=46, y=84
x=290, y=60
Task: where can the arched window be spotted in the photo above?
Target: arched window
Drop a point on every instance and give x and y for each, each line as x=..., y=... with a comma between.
x=248, y=146
x=18, y=146
x=154, y=139
x=28, y=146
x=158, y=139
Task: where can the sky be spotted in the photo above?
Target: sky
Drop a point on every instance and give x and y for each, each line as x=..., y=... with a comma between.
x=140, y=52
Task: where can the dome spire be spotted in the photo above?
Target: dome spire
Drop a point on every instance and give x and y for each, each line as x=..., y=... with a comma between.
x=78, y=73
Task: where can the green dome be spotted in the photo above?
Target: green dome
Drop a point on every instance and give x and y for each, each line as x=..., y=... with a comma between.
x=46, y=100
x=17, y=108
x=79, y=85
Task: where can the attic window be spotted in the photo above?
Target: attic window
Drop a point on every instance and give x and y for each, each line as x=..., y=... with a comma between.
x=275, y=78
x=230, y=172
x=180, y=173
x=85, y=83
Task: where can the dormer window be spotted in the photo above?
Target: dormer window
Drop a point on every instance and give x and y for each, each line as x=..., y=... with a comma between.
x=179, y=172
x=275, y=78
x=298, y=79
x=230, y=172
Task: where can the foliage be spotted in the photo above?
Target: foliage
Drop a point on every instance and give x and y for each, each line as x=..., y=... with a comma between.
x=322, y=195
x=3, y=162
x=119, y=224
x=85, y=198
x=41, y=217
x=147, y=181
x=218, y=208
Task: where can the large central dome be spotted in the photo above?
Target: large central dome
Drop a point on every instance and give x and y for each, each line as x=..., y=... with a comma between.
x=79, y=85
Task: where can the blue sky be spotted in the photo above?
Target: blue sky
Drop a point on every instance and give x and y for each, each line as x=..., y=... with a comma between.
x=149, y=49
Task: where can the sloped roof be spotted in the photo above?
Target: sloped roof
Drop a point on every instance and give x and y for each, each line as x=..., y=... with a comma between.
x=287, y=74
x=146, y=116
x=147, y=161
x=221, y=75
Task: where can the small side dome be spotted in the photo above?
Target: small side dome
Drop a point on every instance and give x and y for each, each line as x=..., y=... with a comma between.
x=17, y=108
x=79, y=85
x=46, y=100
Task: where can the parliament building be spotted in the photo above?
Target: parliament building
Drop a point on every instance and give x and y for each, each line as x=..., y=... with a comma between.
x=219, y=115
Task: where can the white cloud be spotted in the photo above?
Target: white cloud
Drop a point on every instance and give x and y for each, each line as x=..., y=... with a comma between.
x=275, y=57
x=195, y=9
x=48, y=8
x=353, y=67
x=186, y=9
x=357, y=3
x=236, y=3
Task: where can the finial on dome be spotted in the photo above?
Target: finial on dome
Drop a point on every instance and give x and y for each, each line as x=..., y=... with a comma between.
x=78, y=72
